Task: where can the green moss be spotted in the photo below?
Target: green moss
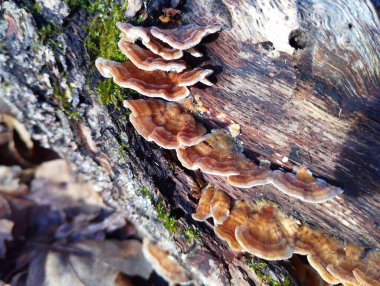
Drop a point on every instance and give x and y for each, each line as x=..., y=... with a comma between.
x=64, y=103
x=36, y=8
x=121, y=149
x=144, y=191
x=191, y=232
x=258, y=267
x=163, y=214
x=73, y=4
x=45, y=32
x=103, y=34
x=101, y=41
x=110, y=93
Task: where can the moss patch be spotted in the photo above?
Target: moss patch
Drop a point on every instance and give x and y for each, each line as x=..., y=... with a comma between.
x=64, y=103
x=101, y=41
x=259, y=268
x=110, y=93
x=144, y=191
x=164, y=215
x=191, y=232
x=103, y=34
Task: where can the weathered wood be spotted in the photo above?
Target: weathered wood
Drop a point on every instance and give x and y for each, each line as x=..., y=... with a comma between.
x=318, y=106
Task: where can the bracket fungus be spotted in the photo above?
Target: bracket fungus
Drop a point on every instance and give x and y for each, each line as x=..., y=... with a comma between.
x=321, y=250
x=238, y=216
x=167, y=124
x=170, y=86
x=203, y=209
x=264, y=231
x=133, y=33
x=368, y=272
x=269, y=234
x=220, y=206
x=304, y=186
x=164, y=264
x=184, y=37
x=218, y=154
x=252, y=176
x=147, y=60
x=344, y=270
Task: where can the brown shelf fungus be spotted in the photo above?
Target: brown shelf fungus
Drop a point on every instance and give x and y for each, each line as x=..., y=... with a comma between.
x=158, y=47
x=238, y=216
x=169, y=86
x=344, y=270
x=185, y=37
x=220, y=206
x=166, y=124
x=368, y=272
x=251, y=176
x=203, y=209
x=218, y=154
x=269, y=234
x=304, y=186
x=164, y=264
x=147, y=60
x=321, y=250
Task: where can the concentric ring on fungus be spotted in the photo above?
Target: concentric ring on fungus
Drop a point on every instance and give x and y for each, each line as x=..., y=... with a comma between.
x=167, y=85
x=165, y=123
x=268, y=234
x=147, y=60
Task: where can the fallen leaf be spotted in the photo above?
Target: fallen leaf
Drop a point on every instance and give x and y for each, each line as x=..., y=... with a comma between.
x=90, y=263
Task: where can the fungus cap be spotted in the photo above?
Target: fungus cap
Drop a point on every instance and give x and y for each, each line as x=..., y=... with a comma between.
x=368, y=272
x=166, y=124
x=194, y=52
x=251, y=177
x=184, y=37
x=164, y=264
x=321, y=251
x=147, y=60
x=220, y=206
x=344, y=270
x=218, y=154
x=238, y=216
x=169, y=86
x=266, y=235
x=203, y=209
x=158, y=47
x=304, y=186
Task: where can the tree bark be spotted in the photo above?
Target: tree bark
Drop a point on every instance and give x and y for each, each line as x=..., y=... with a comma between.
x=301, y=78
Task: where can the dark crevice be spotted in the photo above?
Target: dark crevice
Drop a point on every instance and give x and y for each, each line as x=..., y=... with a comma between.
x=298, y=39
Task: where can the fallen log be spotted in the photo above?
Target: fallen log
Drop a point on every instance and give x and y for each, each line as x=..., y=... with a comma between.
x=300, y=79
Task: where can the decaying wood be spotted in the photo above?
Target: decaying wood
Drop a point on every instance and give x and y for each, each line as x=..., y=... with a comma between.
x=301, y=78
x=317, y=105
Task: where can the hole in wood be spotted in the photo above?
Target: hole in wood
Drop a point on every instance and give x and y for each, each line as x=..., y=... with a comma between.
x=267, y=45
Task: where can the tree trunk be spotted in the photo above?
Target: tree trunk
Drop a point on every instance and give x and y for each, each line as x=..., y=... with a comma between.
x=301, y=78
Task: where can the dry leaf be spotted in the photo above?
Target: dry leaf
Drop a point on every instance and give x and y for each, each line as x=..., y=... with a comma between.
x=90, y=263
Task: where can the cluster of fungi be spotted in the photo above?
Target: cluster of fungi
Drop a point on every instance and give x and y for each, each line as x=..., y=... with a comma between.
x=155, y=69
x=264, y=231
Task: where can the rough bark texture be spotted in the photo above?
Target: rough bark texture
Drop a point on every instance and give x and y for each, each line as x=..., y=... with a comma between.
x=301, y=78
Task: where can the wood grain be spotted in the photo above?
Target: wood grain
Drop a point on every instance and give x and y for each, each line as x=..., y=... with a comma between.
x=317, y=105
